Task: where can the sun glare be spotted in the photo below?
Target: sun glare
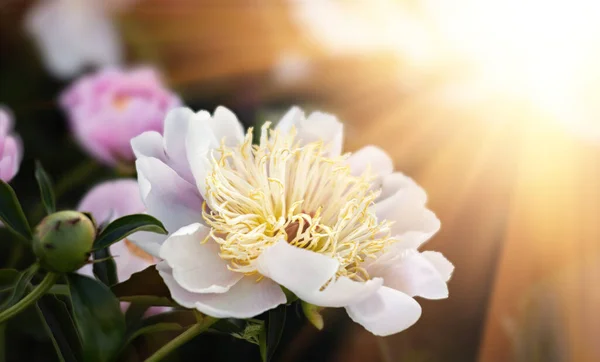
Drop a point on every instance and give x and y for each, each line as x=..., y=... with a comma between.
x=544, y=51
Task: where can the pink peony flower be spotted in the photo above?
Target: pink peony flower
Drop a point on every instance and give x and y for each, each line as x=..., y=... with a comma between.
x=110, y=107
x=108, y=201
x=11, y=151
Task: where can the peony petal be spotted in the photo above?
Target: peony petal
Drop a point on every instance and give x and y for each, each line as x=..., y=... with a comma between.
x=341, y=292
x=305, y=272
x=112, y=199
x=127, y=261
x=372, y=157
x=398, y=183
x=323, y=126
x=296, y=269
x=439, y=261
x=199, y=143
x=225, y=126
x=149, y=144
x=386, y=312
x=246, y=299
x=176, y=130
x=411, y=273
x=148, y=242
x=196, y=264
x=166, y=195
x=292, y=118
x=403, y=202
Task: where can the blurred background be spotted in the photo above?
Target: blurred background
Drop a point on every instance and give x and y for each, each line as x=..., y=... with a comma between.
x=492, y=106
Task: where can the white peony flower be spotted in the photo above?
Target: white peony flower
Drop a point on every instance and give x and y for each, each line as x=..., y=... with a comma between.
x=74, y=34
x=245, y=220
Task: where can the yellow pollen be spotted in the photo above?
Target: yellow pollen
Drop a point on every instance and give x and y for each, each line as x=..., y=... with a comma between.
x=257, y=195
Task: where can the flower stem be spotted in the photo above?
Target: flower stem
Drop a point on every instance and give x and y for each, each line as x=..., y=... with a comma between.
x=181, y=339
x=49, y=280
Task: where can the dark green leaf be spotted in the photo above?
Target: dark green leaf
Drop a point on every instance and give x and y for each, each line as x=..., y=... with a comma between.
x=134, y=314
x=61, y=325
x=275, y=325
x=11, y=212
x=46, y=190
x=19, y=287
x=125, y=226
x=105, y=269
x=98, y=318
x=146, y=287
x=49, y=333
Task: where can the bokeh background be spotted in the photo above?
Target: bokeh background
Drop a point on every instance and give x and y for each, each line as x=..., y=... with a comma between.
x=492, y=106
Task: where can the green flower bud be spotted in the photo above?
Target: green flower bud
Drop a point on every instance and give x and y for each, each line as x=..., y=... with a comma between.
x=63, y=241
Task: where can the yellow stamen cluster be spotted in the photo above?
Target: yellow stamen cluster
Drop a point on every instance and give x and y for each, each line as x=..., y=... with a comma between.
x=260, y=194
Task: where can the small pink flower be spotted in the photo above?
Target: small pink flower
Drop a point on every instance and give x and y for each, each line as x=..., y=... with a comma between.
x=110, y=107
x=108, y=201
x=11, y=151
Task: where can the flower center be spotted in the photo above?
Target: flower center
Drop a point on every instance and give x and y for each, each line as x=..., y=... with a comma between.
x=280, y=190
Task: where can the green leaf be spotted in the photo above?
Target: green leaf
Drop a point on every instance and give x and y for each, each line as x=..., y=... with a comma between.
x=98, y=318
x=19, y=287
x=146, y=287
x=274, y=330
x=251, y=332
x=105, y=269
x=49, y=333
x=125, y=226
x=46, y=190
x=60, y=323
x=248, y=330
x=11, y=212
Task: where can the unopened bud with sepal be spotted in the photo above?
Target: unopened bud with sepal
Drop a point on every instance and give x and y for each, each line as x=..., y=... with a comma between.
x=63, y=241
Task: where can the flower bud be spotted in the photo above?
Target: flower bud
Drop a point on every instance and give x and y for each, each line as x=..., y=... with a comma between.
x=63, y=241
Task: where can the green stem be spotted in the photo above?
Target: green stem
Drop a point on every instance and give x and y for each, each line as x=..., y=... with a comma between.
x=181, y=339
x=49, y=280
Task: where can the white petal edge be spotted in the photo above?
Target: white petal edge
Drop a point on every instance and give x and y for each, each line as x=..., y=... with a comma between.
x=323, y=126
x=176, y=127
x=403, y=202
x=196, y=265
x=168, y=197
x=294, y=268
x=439, y=261
x=199, y=143
x=292, y=118
x=386, y=312
x=225, y=125
x=373, y=158
x=413, y=274
x=246, y=299
x=341, y=292
x=148, y=144
x=304, y=273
